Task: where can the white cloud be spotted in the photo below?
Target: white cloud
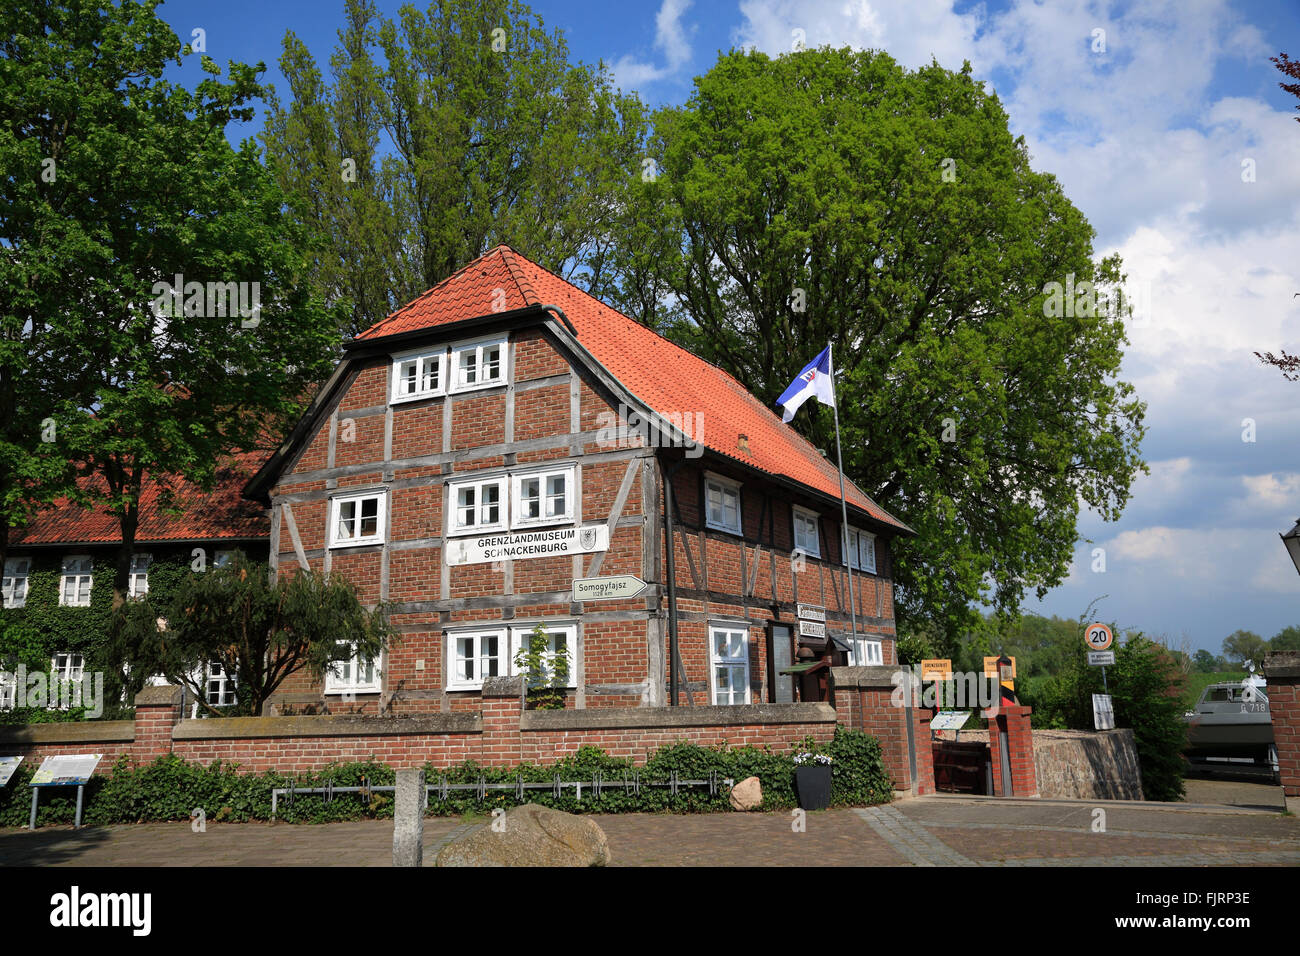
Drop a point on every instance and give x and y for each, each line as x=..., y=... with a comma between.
x=911, y=31
x=671, y=39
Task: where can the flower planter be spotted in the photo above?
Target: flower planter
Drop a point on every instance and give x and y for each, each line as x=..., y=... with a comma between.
x=812, y=785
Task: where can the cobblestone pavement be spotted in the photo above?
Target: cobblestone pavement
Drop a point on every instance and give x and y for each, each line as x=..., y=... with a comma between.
x=930, y=831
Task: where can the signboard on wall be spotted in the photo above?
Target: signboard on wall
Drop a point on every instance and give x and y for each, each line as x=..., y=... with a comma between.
x=522, y=545
x=812, y=629
x=616, y=587
x=810, y=612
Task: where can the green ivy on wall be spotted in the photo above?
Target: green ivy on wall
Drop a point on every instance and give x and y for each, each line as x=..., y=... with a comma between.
x=31, y=635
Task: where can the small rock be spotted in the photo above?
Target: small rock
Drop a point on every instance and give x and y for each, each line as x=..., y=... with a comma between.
x=747, y=795
x=533, y=836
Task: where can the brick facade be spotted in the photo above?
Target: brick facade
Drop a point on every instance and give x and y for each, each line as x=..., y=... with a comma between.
x=550, y=408
x=1282, y=671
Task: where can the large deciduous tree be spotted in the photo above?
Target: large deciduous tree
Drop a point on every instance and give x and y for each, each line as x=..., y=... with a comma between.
x=833, y=196
x=117, y=182
x=442, y=133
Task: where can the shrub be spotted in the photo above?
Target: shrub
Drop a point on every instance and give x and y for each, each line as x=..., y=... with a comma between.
x=170, y=789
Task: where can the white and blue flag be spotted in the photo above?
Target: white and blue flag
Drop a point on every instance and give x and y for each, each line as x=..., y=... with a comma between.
x=813, y=382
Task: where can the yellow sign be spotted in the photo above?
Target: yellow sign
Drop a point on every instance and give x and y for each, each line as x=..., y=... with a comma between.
x=938, y=669
x=991, y=670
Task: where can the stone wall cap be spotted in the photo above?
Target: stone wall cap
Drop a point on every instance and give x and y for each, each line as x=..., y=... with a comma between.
x=875, y=675
x=1282, y=664
x=503, y=687
x=70, y=732
x=325, y=725
x=159, y=695
x=670, y=717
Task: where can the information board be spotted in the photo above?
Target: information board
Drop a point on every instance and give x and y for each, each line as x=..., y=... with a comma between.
x=7, y=767
x=66, y=769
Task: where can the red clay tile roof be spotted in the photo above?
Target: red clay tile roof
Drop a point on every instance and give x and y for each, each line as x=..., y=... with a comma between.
x=222, y=514
x=663, y=375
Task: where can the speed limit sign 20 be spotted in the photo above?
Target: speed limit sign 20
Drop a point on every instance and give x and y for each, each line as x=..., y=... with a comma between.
x=1098, y=637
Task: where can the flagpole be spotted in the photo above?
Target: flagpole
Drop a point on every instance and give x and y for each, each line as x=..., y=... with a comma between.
x=844, y=507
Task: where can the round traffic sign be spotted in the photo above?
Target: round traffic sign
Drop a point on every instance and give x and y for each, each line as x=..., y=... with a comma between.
x=1098, y=637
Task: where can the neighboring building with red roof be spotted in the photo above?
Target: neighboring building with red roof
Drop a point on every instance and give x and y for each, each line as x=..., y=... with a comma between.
x=58, y=570
x=496, y=454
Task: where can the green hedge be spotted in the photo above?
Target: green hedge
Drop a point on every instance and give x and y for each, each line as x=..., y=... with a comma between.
x=169, y=788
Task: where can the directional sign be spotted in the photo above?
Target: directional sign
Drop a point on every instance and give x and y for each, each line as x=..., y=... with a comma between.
x=811, y=612
x=1103, y=712
x=949, y=720
x=937, y=669
x=1098, y=637
x=811, y=629
x=1101, y=658
x=617, y=587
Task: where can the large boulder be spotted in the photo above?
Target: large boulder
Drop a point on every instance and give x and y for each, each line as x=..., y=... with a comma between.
x=747, y=795
x=531, y=836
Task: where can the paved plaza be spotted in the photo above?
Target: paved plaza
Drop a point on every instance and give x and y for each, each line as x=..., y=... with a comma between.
x=928, y=831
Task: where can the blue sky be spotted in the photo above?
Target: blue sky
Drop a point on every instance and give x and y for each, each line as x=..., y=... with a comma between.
x=1152, y=132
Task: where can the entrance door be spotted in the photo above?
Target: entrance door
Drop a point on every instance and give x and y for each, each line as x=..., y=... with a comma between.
x=780, y=656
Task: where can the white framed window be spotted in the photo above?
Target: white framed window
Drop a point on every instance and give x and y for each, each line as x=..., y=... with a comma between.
x=557, y=636
x=477, y=505
x=357, y=519
x=67, y=667
x=861, y=550
x=138, y=582
x=475, y=656
x=353, y=676
x=75, y=581
x=419, y=375
x=542, y=497
x=866, y=652
x=8, y=690
x=729, y=652
x=722, y=503
x=16, y=572
x=219, y=687
x=806, y=537
x=478, y=364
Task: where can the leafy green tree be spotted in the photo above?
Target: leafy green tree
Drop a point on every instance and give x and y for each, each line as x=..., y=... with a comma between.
x=120, y=182
x=833, y=196
x=260, y=630
x=1287, y=639
x=1242, y=646
x=1206, y=663
x=442, y=133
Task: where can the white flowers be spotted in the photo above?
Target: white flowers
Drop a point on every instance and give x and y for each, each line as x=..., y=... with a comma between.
x=807, y=758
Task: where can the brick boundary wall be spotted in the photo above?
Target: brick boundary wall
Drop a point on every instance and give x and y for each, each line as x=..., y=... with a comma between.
x=1282, y=672
x=502, y=734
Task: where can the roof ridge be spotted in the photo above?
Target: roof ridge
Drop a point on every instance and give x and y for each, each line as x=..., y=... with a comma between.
x=373, y=330
x=509, y=256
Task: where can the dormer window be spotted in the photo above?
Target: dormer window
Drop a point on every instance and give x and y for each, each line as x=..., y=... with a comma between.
x=419, y=375
x=478, y=364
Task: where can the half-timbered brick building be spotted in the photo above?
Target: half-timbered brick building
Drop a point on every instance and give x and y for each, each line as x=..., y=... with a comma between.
x=506, y=435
